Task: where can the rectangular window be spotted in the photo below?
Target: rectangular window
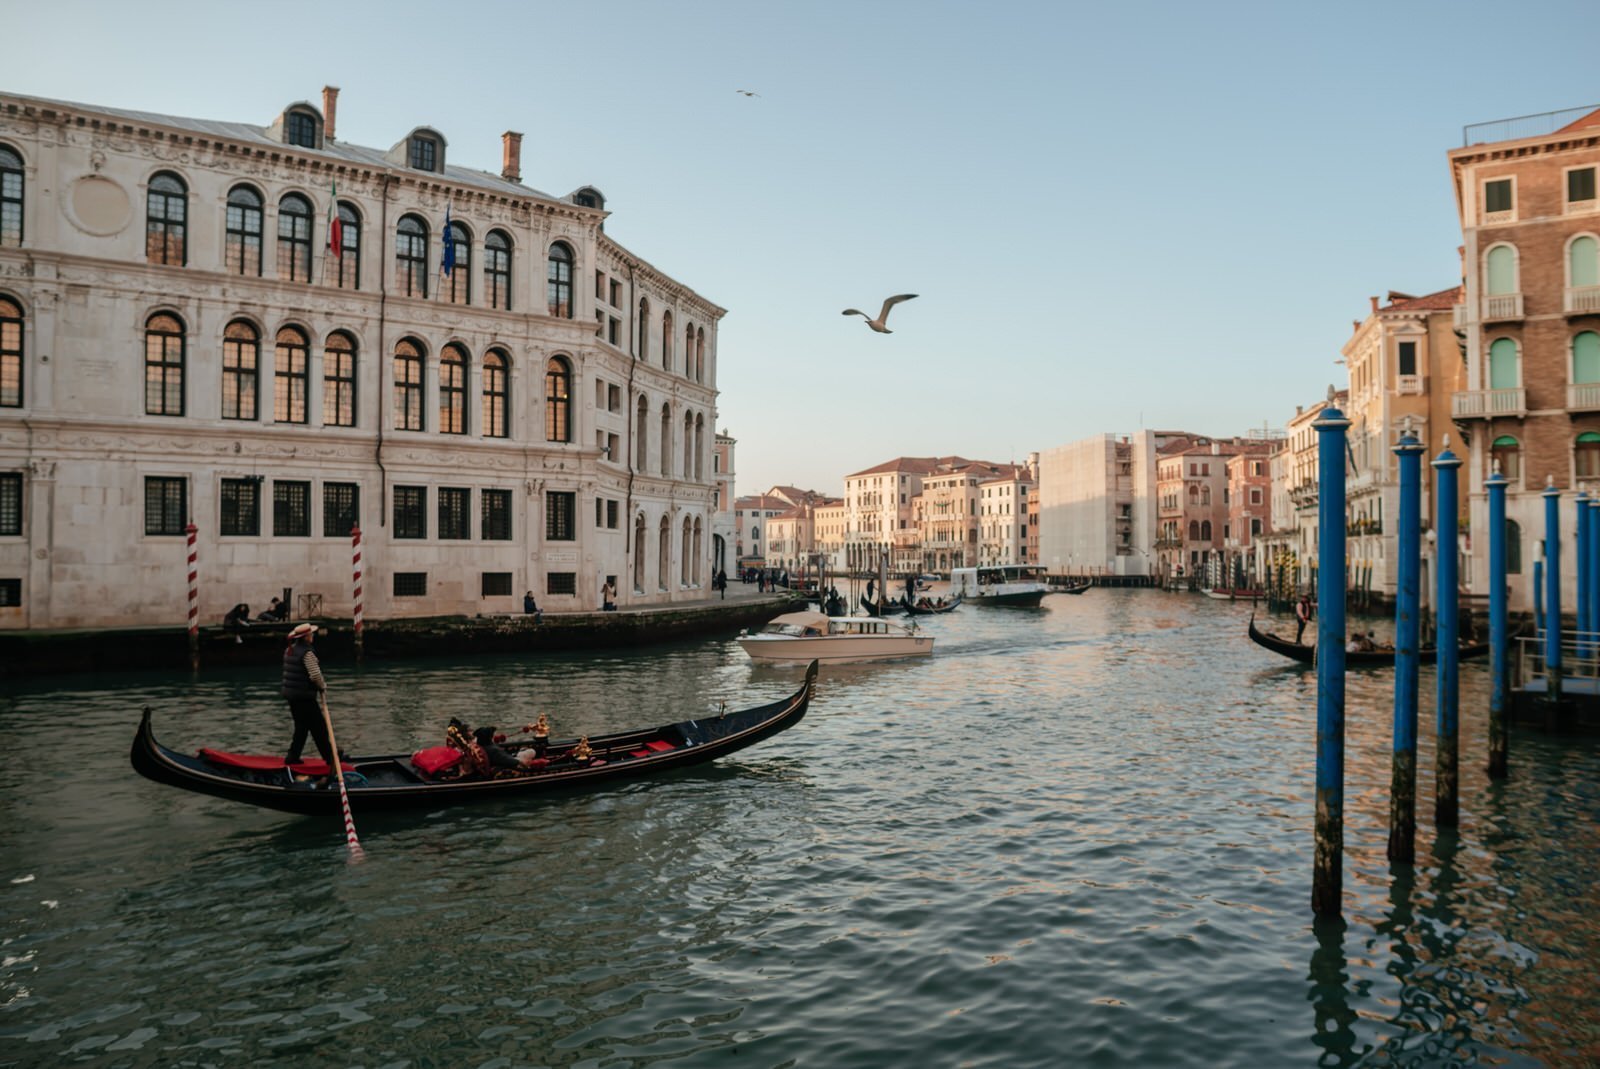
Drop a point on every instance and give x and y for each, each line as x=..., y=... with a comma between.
x=1408, y=358
x=411, y=512
x=455, y=508
x=1580, y=184
x=599, y=285
x=561, y=583
x=560, y=516
x=291, y=509
x=165, y=505
x=613, y=329
x=496, y=585
x=410, y=584
x=496, y=519
x=10, y=593
x=616, y=294
x=1497, y=195
x=613, y=448
x=240, y=507
x=613, y=398
x=341, y=509
x=1255, y=496
x=10, y=503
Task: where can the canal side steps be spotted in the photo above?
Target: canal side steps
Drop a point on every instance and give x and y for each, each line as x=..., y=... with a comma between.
x=118, y=649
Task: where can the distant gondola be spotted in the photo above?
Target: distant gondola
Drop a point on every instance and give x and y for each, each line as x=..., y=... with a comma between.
x=891, y=607
x=1074, y=588
x=394, y=782
x=931, y=609
x=1367, y=658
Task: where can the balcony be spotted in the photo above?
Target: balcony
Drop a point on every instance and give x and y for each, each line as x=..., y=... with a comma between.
x=1582, y=301
x=1483, y=404
x=1583, y=397
x=1458, y=317
x=1502, y=307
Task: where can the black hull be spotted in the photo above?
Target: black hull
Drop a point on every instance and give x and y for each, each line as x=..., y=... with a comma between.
x=1379, y=658
x=1030, y=600
x=949, y=606
x=890, y=607
x=697, y=741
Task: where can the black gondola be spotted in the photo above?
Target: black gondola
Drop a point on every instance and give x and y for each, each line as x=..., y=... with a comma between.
x=891, y=607
x=392, y=782
x=913, y=608
x=1352, y=659
x=1075, y=588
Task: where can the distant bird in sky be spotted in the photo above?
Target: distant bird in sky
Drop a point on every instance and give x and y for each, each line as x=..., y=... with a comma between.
x=747, y=92
x=883, y=315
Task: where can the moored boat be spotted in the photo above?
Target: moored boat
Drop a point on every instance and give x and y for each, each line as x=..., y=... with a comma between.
x=397, y=781
x=1352, y=658
x=796, y=637
x=1000, y=584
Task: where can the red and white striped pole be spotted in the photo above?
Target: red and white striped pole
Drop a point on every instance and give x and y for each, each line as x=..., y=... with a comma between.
x=194, y=600
x=355, y=566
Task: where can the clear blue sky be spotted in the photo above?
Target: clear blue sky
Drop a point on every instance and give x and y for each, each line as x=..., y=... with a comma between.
x=1116, y=215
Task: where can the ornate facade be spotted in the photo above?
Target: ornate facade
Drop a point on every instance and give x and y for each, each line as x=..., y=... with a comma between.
x=501, y=396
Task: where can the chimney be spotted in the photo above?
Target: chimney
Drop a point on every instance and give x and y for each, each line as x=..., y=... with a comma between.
x=511, y=165
x=330, y=105
x=1374, y=301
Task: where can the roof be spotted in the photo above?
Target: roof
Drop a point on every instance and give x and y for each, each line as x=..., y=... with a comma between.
x=916, y=465
x=250, y=133
x=1582, y=123
x=1441, y=301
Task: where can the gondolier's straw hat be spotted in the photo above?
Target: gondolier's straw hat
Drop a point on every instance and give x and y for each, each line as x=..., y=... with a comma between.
x=301, y=630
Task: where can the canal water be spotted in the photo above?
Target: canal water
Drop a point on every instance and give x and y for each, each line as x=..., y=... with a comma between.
x=1076, y=836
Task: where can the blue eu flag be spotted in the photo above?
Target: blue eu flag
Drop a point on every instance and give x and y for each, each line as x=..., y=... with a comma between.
x=449, y=262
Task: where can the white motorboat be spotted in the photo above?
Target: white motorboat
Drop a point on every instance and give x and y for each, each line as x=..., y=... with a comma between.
x=1000, y=584
x=799, y=637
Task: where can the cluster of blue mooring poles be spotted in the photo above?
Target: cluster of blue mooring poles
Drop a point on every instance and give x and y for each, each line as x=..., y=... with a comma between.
x=1327, y=875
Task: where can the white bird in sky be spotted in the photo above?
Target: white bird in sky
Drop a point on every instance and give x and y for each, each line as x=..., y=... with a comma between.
x=883, y=315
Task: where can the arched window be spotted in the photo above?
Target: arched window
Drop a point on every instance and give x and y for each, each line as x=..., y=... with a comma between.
x=644, y=330
x=688, y=444
x=496, y=393
x=1503, y=371
x=347, y=248
x=243, y=249
x=10, y=196
x=1507, y=452
x=241, y=370
x=1205, y=530
x=699, y=552
x=300, y=128
x=641, y=451
x=457, y=285
x=292, y=376
x=163, y=365
x=294, y=238
x=339, y=381
x=1500, y=270
x=1194, y=494
x=700, y=355
x=558, y=281
x=666, y=340
x=688, y=541
x=1194, y=530
x=666, y=439
x=10, y=353
x=1586, y=357
x=1513, y=547
x=557, y=400
x=453, y=390
x=663, y=553
x=1583, y=263
x=497, y=269
x=408, y=385
x=411, y=257
x=166, y=221
x=1586, y=455
x=699, y=448
x=638, y=554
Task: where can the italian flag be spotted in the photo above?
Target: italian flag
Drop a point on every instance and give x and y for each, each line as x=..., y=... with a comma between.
x=335, y=228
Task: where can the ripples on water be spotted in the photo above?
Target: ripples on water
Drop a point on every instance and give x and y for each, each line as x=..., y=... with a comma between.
x=1078, y=836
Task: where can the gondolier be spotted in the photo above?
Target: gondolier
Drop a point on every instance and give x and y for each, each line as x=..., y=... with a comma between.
x=303, y=686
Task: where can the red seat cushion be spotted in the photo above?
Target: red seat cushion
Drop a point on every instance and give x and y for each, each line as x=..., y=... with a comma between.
x=659, y=745
x=435, y=759
x=260, y=762
x=640, y=753
x=316, y=766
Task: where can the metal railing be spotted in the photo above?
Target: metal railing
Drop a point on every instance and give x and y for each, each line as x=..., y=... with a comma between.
x=1520, y=126
x=1580, y=658
x=1468, y=403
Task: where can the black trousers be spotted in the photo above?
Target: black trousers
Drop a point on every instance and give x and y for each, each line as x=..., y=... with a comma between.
x=308, y=720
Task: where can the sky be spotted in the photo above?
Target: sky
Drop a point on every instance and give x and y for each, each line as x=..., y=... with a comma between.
x=1115, y=215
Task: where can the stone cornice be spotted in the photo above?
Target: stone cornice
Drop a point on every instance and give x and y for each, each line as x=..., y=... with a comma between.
x=661, y=282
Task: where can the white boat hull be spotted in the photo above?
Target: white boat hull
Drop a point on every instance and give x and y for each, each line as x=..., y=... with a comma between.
x=834, y=649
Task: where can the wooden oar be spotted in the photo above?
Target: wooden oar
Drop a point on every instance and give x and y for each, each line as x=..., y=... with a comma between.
x=337, y=771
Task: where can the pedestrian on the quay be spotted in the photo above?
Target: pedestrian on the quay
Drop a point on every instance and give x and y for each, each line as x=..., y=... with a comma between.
x=303, y=688
x=721, y=582
x=608, y=597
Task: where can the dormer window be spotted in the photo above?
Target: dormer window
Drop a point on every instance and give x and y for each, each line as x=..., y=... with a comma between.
x=424, y=153
x=589, y=197
x=301, y=129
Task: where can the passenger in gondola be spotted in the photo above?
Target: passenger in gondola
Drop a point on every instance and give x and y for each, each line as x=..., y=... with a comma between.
x=495, y=756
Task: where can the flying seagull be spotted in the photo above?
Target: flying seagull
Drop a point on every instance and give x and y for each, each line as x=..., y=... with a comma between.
x=883, y=316
x=747, y=92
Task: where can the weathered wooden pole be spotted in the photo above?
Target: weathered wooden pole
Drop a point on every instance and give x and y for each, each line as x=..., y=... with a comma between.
x=1495, y=484
x=1447, y=643
x=1552, y=588
x=355, y=568
x=194, y=598
x=1327, y=875
x=1407, y=635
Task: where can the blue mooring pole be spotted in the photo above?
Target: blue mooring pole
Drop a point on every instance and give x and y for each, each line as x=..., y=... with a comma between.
x=1552, y=589
x=1447, y=643
x=1594, y=571
x=1538, y=591
x=1580, y=567
x=1498, y=696
x=1327, y=875
x=1407, y=631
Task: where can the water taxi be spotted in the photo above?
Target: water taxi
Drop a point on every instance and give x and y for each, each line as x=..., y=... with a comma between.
x=798, y=637
x=1000, y=584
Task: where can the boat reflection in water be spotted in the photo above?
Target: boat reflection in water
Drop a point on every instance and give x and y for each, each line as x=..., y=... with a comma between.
x=797, y=637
